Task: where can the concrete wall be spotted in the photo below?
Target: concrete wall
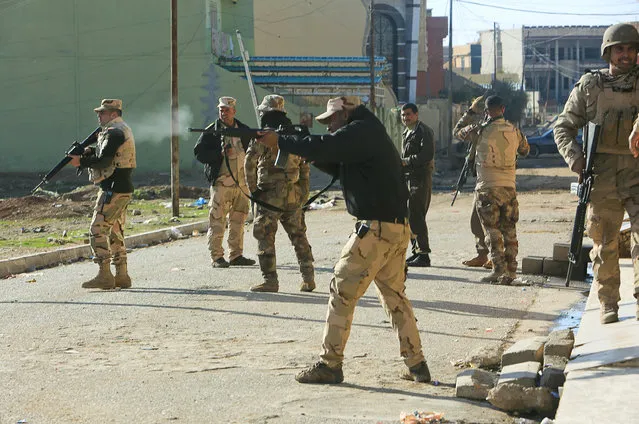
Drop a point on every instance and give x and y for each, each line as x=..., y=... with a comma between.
x=317, y=28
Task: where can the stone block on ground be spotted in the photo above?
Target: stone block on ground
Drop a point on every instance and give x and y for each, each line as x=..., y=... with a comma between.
x=515, y=398
x=560, y=251
x=532, y=265
x=555, y=268
x=552, y=378
x=522, y=374
x=485, y=357
x=558, y=362
x=526, y=350
x=559, y=343
x=474, y=384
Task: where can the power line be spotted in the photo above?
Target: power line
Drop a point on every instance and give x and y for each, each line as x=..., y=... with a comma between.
x=547, y=12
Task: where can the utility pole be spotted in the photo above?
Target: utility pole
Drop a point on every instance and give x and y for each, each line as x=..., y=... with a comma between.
x=372, y=102
x=450, y=79
x=494, y=52
x=175, y=138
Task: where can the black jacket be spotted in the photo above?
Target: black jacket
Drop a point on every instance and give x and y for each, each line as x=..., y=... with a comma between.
x=273, y=119
x=208, y=149
x=418, y=148
x=364, y=157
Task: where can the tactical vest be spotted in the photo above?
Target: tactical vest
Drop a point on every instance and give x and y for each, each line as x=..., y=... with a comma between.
x=617, y=106
x=497, y=147
x=124, y=156
x=496, y=154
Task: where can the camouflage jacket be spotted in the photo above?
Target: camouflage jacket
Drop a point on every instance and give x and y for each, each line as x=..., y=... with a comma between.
x=581, y=107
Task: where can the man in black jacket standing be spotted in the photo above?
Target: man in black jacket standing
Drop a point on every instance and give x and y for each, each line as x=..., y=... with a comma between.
x=360, y=151
x=418, y=159
x=223, y=159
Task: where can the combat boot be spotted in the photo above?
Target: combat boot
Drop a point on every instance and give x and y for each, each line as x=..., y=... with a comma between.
x=418, y=373
x=268, y=286
x=422, y=260
x=494, y=276
x=242, y=261
x=104, y=280
x=608, y=313
x=308, y=278
x=488, y=264
x=307, y=286
x=122, y=278
x=320, y=373
x=477, y=261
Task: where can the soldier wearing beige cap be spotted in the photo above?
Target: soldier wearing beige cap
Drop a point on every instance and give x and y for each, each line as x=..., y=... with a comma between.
x=223, y=159
x=110, y=164
x=361, y=153
x=286, y=188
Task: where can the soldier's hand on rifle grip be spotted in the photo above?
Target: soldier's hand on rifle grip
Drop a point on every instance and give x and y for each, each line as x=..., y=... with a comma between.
x=633, y=141
x=578, y=167
x=75, y=160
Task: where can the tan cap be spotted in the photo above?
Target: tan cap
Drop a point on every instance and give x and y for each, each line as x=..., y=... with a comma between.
x=272, y=102
x=226, y=102
x=109, y=104
x=337, y=104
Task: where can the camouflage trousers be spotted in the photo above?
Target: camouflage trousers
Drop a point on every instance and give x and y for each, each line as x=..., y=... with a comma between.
x=498, y=211
x=226, y=201
x=107, y=228
x=616, y=188
x=378, y=254
x=264, y=230
x=478, y=231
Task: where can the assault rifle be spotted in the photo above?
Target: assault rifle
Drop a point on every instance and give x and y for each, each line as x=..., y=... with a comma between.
x=301, y=130
x=586, y=180
x=469, y=163
x=281, y=159
x=463, y=175
x=75, y=150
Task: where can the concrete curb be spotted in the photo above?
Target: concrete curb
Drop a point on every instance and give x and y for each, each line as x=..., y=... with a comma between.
x=30, y=263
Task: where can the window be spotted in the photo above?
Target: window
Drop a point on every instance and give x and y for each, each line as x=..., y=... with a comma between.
x=591, y=53
x=566, y=83
x=385, y=33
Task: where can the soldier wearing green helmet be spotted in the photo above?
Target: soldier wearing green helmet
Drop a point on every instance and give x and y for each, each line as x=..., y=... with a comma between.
x=608, y=97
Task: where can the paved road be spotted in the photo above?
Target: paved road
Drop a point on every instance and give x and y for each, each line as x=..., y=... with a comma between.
x=190, y=344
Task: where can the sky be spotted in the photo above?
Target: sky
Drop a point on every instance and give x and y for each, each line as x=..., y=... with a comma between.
x=472, y=16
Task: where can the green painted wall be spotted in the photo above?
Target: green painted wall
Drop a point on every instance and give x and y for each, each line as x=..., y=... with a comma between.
x=59, y=58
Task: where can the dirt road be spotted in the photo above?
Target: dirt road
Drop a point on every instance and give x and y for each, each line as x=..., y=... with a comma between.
x=191, y=344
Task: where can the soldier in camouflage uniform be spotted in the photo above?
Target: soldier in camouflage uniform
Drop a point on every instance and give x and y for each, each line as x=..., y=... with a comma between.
x=110, y=165
x=497, y=144
x=470, y=119
x=285, y=188
x=218, y=153
x=608, y=97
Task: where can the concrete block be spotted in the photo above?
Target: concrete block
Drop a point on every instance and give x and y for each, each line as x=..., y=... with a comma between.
x=560, y=251
x=532, y=265
x=526, y=350
x=558, y=362
x=514, y=398
x=555, y=268
x=552, y=378
x=485, y=357
x=559, y=343
x=522, y=374
x=474, y=384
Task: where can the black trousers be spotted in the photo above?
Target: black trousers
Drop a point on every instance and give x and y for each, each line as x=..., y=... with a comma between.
x=420, y=188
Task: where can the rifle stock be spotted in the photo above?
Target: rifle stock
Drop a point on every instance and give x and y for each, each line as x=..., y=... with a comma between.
x=591, y=136
x=75, y=149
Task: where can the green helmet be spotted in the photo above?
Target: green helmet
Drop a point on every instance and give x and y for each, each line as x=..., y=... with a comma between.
x=618, y=34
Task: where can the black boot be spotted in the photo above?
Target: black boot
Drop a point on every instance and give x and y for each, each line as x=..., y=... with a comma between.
x=420, y=261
